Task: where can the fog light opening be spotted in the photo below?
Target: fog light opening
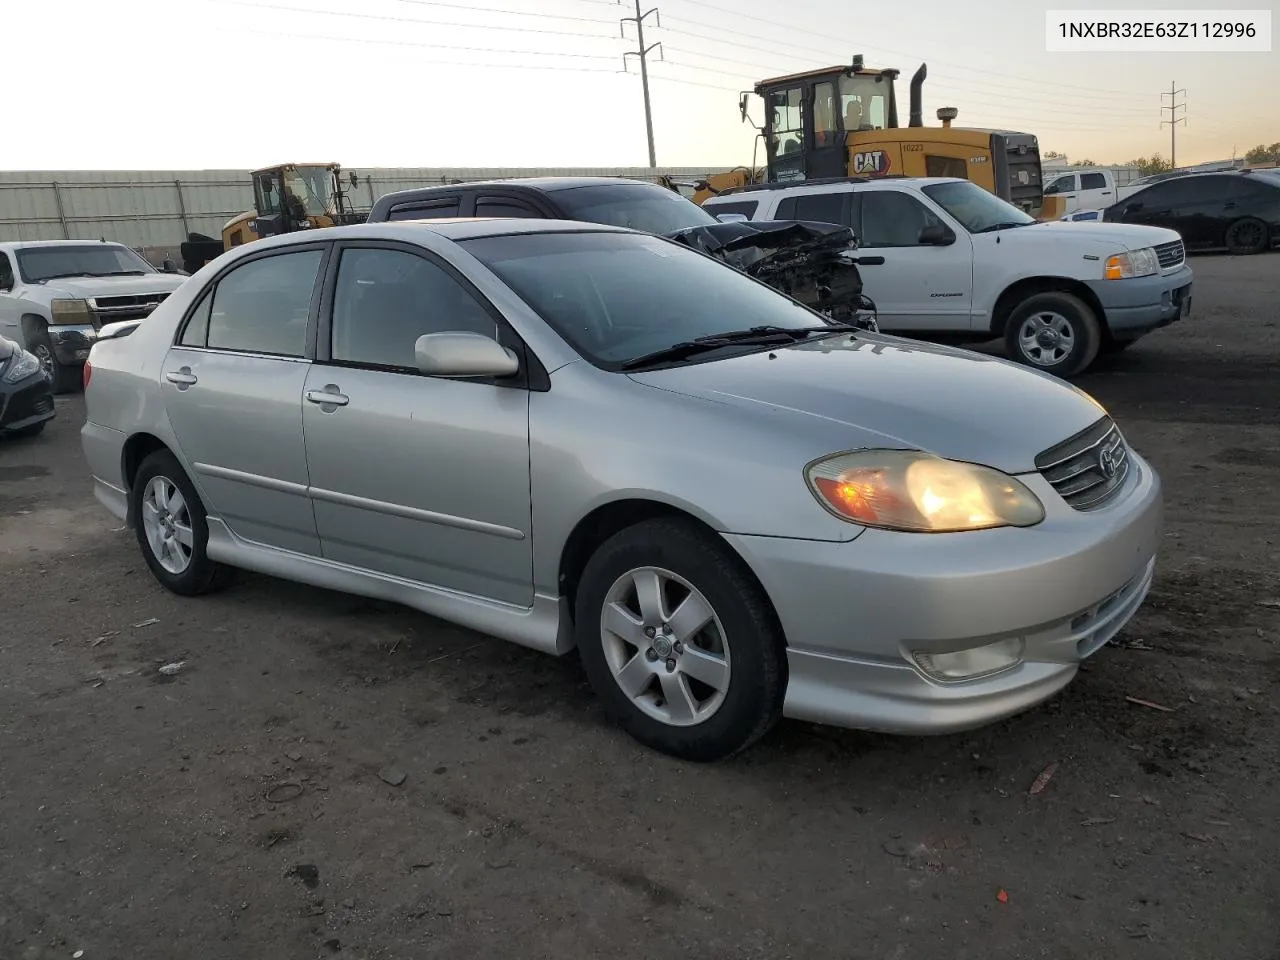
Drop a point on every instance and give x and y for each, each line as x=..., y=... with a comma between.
x=983, y=661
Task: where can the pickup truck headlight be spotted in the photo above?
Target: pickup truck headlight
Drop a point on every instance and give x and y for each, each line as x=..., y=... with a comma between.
x=70, y=311
x=1135, y=263
x=916, y=492
x=21, y=366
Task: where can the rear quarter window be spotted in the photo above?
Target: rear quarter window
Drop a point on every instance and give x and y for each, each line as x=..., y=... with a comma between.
x=745, y=207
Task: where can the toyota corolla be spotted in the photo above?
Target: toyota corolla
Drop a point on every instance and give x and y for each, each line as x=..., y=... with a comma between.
x=574, y=436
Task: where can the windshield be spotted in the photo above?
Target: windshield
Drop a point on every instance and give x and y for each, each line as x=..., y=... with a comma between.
x=636, y=206
x=80, y=260
x=615, y=296
x=864, y=102
x=975, y=208
x=313, y=186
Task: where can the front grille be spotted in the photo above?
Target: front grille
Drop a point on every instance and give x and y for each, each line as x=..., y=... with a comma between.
x=1089, y=468
x=131, y=307
x=1170, y=254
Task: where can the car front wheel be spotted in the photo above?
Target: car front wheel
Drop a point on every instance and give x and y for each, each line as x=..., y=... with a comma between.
x=679, y=641
x=1054, y=332
x=172, y=527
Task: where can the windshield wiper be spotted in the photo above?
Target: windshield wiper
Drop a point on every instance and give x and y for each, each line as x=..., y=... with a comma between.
x=1000, y=226
x=764, y=335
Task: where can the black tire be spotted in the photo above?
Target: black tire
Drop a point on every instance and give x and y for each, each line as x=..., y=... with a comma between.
x=1247, y=235
x=201, y=575
x=752, y=702
x=1064, y=309
x=65, y=378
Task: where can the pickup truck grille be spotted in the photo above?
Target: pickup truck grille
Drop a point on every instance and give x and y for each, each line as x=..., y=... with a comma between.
x=1088, y=469
x=1170, y=254
x=131, y=307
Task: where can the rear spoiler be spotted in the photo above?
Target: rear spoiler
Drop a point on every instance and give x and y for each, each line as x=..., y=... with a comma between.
x=114, y=331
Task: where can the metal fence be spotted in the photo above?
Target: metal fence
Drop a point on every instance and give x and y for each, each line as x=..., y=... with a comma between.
x=157, y=209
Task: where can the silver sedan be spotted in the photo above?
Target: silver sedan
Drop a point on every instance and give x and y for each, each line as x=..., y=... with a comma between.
x=574, y=436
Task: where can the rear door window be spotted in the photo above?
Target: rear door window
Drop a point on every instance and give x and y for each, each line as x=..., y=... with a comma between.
x=263, y=306
x=822, y=207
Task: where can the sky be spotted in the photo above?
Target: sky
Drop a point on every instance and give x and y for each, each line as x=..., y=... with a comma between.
x=240, y=84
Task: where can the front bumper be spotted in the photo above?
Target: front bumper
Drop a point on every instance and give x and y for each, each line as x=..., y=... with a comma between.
x=71, y=342
x=26, y=403
x=852, y=612
x=1139, y=305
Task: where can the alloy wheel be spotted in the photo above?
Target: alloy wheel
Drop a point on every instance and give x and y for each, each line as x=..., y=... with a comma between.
x=166, y=521
x=665, y=646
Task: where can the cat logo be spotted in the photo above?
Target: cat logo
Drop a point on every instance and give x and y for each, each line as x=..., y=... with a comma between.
x=871, y=163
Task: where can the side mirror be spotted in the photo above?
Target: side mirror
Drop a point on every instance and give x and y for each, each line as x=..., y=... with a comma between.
x=731, y=217
x=936, y=235
x=1133, y=207
x=459, y=354
x=168, y=266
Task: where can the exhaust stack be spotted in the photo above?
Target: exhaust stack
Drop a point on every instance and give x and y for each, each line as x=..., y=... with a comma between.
x=917, y=106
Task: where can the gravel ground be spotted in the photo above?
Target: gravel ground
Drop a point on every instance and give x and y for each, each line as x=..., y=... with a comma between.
x=140, y=819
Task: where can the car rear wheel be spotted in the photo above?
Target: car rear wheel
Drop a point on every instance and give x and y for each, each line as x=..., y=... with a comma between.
x=679, y=642
x=172, y=527
x=1054, y=332
x=1247, y=235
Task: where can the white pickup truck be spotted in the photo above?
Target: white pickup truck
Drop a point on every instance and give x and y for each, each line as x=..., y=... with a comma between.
x=56, y=294
x=962, y=263
x=1091, y=188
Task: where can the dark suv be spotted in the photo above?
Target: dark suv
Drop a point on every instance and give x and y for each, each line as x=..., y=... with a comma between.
x=807, y=261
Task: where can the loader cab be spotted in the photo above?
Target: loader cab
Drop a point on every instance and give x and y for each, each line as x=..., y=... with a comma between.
x=808, y=116
x=296, y=196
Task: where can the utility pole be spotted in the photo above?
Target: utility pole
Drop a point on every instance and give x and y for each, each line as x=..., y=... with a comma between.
x=1173, y=120
x=643, y=53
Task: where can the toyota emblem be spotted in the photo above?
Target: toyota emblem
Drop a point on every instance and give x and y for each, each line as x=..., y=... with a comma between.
x=1107, y=463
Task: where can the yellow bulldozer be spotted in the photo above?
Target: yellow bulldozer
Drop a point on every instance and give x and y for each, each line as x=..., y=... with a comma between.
x=843, y=122
x=287, y=197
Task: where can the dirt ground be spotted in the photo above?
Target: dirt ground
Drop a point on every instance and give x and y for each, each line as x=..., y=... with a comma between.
x=236, y=809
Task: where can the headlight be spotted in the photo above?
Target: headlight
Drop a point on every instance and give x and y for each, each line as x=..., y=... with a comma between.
x=1135, y=263
x=22, y=366
x=912, y=491
x=70, y=311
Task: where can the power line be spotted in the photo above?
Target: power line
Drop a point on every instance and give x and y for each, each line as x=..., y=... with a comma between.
x=1173, y=120
x=1106, y=93
x=433, y=23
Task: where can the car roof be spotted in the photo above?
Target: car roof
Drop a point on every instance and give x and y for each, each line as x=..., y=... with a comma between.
x=22, y=244
x=827, y=183
x=545, y=184
x=450, y=228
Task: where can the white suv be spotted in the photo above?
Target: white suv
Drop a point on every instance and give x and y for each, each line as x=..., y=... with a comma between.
x=961, y=262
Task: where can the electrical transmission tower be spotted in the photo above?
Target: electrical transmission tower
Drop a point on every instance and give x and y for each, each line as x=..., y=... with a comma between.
x=643, y=52
x=1174, y=119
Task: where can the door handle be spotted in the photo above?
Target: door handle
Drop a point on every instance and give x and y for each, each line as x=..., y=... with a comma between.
x=328, y=397
x=1229, y=205
x=183, y=378
x=1106, y=193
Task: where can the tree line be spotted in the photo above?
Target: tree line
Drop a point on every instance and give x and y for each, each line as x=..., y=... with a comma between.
x=1156, y=163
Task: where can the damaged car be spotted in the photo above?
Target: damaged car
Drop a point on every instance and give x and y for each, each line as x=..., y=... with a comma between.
x=814, y=263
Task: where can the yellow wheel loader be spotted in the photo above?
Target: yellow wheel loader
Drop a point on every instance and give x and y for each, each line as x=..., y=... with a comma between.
x=843, y=122
x=288, y=197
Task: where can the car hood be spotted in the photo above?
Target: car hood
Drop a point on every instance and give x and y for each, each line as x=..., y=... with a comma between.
x=1114, y=236
x=873, y=390
x=83, y=287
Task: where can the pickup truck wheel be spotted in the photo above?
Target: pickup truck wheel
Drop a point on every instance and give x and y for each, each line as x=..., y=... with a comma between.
x=1247, y=235
x=64, y=381
x=1054, y=332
